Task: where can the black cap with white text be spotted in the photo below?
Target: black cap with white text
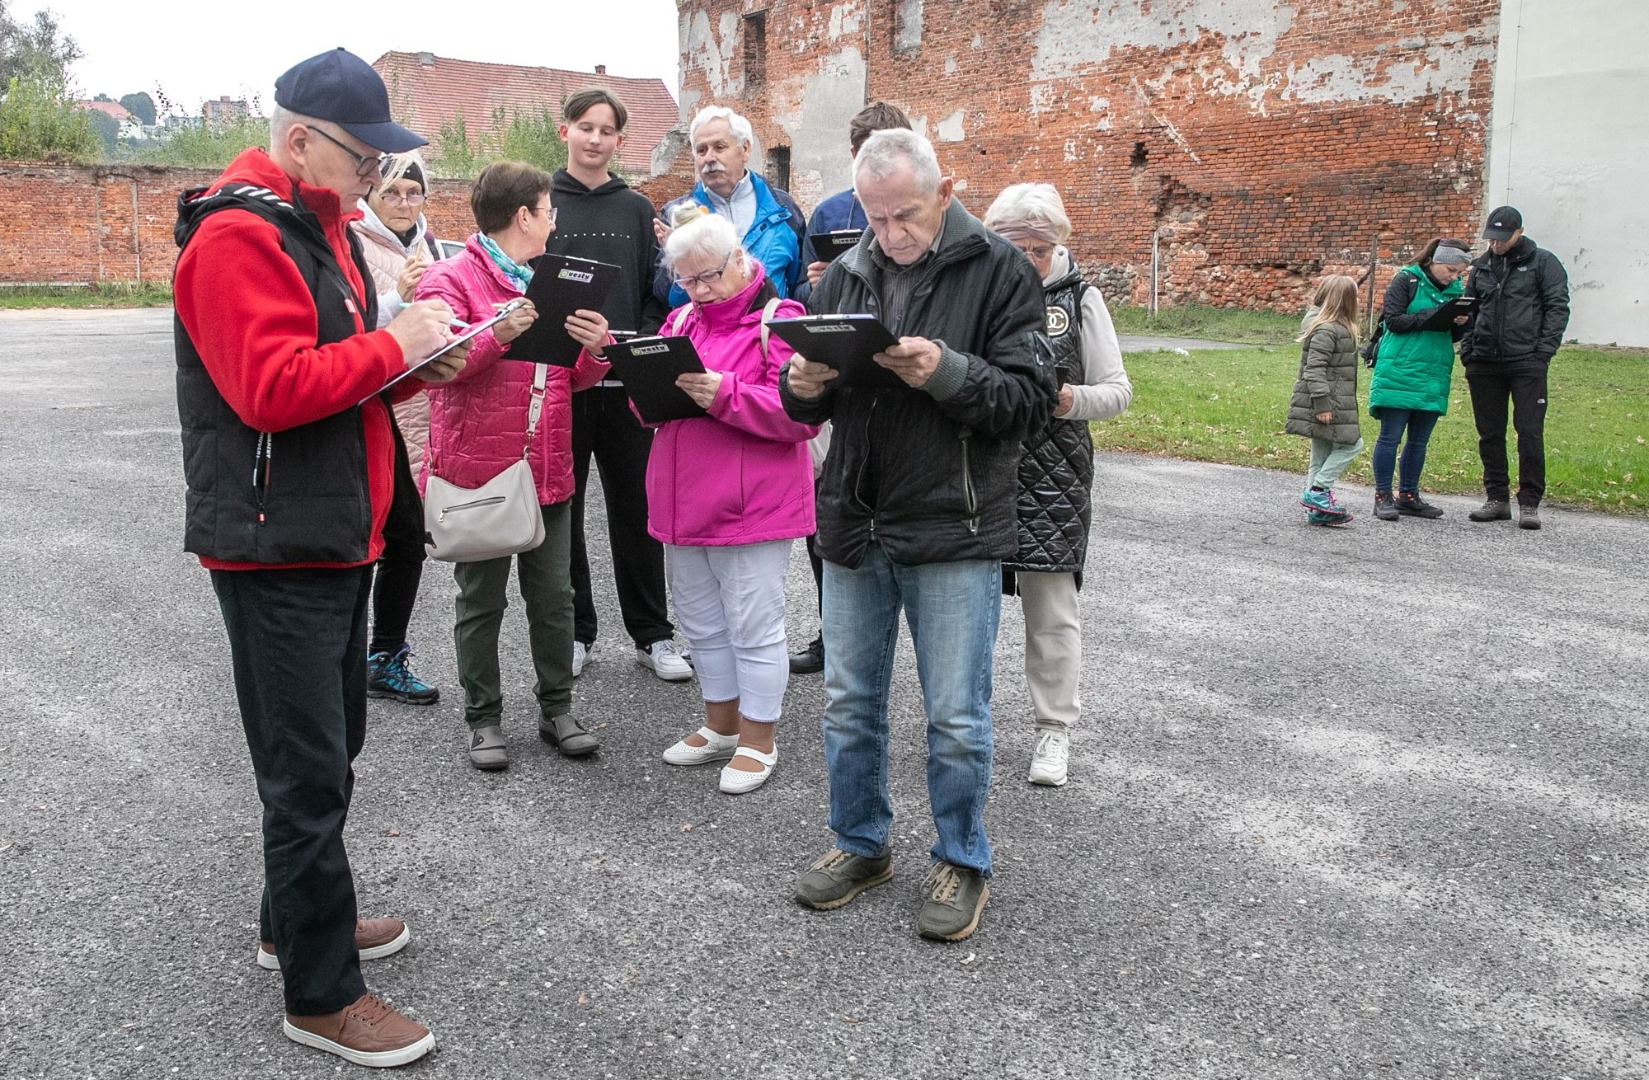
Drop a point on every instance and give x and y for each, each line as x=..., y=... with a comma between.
x=1503, y=222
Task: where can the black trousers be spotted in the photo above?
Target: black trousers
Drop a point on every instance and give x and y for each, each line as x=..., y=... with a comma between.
x=604, y=427
x=297, y=639
x=401, y=566
x=1523, y=383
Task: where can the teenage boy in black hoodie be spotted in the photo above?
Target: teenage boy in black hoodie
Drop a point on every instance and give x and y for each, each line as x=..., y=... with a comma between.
x=1517, y=323
x=599, y=217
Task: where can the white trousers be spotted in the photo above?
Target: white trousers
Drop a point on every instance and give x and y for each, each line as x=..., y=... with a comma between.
x=1053, y=647
x=729, y=604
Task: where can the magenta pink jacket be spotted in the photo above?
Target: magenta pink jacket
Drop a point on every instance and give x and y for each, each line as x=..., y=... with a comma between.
x=478, y=422
x=740, y=475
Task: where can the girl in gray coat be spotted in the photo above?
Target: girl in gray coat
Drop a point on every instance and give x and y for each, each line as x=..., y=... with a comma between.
x=1324, y=406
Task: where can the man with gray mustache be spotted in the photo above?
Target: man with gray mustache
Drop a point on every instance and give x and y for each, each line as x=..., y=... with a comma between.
x=767, y=218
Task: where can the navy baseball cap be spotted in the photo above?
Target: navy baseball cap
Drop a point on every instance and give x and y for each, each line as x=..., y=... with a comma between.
x=341, y=87
x=1503, y=221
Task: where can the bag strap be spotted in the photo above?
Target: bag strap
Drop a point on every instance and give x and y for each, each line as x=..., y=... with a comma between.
x=681, y=317
x=535, y=409
x=767, y=313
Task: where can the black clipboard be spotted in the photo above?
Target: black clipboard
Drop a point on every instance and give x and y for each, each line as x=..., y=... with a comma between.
x=1443, y=318
x=648, y=368
x=462, y=339
x=844, y=342
x=829, y=246
x=560, y=286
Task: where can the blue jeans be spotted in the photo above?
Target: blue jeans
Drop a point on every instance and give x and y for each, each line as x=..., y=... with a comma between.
x=1419, y=424
x=952, y=610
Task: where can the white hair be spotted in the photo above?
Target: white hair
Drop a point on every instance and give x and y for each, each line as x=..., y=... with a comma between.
x=886, y=152
x=395, y=167
x=736, y=124
x=1034, y=208
x=281, y=120
x=708, y=235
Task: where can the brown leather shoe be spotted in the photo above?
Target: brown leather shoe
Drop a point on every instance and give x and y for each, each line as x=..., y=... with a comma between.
x=375, y=938
x=365, y=1032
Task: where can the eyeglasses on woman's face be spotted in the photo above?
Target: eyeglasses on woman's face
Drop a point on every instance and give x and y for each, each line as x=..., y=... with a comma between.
x=547, y=211
x=364, y=166
x=709, y=277
x=411, y=198
x=1036, y=253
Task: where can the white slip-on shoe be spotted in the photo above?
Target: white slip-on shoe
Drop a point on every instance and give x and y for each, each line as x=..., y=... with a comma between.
x=1048, y=760
x=581, y=656
x=738, y=782
x=716, y=747
x=665, y=661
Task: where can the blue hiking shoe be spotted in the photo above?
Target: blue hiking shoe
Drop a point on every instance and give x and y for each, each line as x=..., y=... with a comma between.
x=389, y=677
x=1322, y=502
x=1317, y=517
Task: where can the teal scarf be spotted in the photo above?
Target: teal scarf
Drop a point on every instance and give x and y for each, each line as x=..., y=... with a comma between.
x=518, y=274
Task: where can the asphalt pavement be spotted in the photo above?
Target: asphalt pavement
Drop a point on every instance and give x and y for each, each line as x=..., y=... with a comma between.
x=1359, y=802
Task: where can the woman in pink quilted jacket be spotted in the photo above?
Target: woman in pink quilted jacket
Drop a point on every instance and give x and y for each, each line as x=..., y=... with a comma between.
x=728, y=494
x=477, y=428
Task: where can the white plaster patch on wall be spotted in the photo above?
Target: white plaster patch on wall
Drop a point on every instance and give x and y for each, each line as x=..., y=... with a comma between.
x=711, y=53
x=978, y=41
x=950, y=65
x=816, y=115
x=1080, y=35
x=846, y=20
x=1071, y=151
x=951, y=129
x=1446, y=67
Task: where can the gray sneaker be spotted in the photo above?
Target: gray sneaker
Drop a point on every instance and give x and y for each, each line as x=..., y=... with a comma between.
x=837, y=877
x=567, y=735
x=487, y=751
x=956, y=898
x=1492, y=510
x=1528, y=517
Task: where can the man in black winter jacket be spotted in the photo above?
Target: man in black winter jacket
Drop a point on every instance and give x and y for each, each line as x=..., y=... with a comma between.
x=599, y=217
x=916, y=510
x=1522, y=309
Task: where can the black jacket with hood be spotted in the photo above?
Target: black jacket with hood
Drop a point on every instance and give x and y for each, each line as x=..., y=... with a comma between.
x=931, y=474
x=1522, y=306
x=612, y=224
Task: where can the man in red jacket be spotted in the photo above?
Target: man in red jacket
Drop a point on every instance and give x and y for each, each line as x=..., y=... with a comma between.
x=288, y=455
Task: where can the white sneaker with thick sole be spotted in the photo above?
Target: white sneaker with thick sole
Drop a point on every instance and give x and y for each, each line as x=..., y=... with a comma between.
x=581, y=656
x=716, y=748
x=1048, y=760
x=665, y=660
x=738, y=782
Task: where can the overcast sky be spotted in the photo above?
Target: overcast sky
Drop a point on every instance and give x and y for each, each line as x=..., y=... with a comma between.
x=201, y=50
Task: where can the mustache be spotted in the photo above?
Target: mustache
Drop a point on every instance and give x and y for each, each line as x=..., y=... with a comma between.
x=712, y=167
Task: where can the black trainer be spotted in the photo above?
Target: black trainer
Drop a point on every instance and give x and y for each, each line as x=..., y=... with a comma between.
x=1384, y=507
x=1415, y=506
x=808, y=661
x=837, y=877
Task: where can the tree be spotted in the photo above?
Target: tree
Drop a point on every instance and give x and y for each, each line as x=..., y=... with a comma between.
x=38, y=48
x=39, y=123
x=106, y=127
x=140, y=105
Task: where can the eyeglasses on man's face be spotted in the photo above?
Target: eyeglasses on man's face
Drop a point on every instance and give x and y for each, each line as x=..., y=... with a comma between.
x=364, y=166
x=709, y=277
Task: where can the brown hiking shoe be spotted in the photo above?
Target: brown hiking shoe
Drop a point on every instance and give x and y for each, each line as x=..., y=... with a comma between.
x=375, y=938
x=365, y=1032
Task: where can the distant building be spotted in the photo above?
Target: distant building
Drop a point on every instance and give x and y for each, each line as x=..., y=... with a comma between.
x=224, y=108
x=428, y=91
x=130, y=127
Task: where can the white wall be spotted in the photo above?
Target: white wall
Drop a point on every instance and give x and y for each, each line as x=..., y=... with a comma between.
x=1569, y=147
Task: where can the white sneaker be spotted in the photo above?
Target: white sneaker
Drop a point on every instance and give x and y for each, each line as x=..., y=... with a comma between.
x=1053, y=749
x=581, y=656
x=665, y=660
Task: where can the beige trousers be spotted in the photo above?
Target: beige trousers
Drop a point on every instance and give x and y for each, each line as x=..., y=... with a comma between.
x=1053, y=647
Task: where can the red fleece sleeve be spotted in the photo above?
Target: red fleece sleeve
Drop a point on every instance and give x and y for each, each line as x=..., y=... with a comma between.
x=252, y=319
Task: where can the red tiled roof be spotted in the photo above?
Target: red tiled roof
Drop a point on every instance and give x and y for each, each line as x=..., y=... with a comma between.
x=113, y=108
x=426, y=96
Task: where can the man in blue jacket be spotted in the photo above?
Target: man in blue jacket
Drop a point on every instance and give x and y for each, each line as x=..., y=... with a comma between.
x=766, y=217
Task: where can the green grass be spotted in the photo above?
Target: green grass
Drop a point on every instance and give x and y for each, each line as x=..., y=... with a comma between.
x=1208, y=323
x=1229, y=406
x=108, y=295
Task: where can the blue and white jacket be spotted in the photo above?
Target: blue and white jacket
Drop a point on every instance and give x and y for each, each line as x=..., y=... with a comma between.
x=775, y=239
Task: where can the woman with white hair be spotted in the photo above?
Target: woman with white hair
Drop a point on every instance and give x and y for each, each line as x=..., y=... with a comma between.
x=1056, y=472
x=727, y=495
x=396, y=242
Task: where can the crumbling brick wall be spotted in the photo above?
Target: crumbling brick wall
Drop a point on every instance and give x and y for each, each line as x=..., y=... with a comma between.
x=1262, y=144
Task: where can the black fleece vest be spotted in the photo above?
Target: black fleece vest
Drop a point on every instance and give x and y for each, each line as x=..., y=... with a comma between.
x=1056, y=473
x=294, y=496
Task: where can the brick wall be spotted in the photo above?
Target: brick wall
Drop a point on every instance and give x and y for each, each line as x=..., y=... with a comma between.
x=1263, y=144
x=75, y=224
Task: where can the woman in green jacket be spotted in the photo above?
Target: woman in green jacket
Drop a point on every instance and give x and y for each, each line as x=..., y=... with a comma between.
x=1412, y=370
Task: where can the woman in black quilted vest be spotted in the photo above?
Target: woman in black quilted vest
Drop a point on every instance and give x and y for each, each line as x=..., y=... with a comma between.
x=1056, y=473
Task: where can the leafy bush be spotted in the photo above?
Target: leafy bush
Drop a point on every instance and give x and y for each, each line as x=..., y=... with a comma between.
x=527, y=137
x=39, y=122
x=205, y=144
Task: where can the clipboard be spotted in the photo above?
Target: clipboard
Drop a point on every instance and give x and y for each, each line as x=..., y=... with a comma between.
x=844, y=342
x=648, y=368
x=560, y=286
x=462, y=339
x=829, y=246
x=1447, y=312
